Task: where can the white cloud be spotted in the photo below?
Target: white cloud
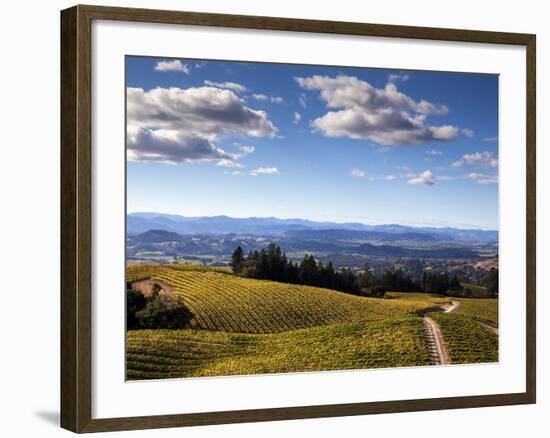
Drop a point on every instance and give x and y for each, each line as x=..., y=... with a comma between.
x=297, y=118
x=483, y=159
x=425, y=178
x=243, y=152
x=175, y=65
x=260, y=97
x=265, y=171
x=467, y=132
x=390, y=177
x=229, y=163
x=482, y=178
x=237, y=88
x=385, y=116
x=175, y=125
x=302, y=100
x=266, y=98
x=394, y=77
x=433, y=152
x=358, y=173
x=491, y=139
x=247, y=149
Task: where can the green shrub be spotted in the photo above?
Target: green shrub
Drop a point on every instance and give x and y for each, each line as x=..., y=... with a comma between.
x=135, y=301
x=164, y=312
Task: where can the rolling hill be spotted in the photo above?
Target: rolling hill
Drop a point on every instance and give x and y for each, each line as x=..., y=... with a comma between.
x=224, y=302
x=244, y=326
x=162, y=354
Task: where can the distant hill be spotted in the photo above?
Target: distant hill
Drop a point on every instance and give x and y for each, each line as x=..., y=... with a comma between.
x=138, y=223
x=354, y=235
x=158, y=236
x=432, y=253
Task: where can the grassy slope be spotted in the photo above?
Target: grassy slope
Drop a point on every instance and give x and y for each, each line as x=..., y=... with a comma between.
x=157, y=354
x=419, y=297
x=485, y=309
x=224, y=302
x=477, y=290
x=468, y=342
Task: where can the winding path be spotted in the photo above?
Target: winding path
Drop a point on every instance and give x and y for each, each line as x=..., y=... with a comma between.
x=438, y=348
x=489, y=327
x=439, y=354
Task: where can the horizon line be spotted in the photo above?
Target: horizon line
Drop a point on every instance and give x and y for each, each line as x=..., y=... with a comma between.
x=335, y=221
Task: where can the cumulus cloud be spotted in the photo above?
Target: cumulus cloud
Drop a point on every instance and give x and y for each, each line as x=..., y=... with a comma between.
x=482, y=178
x=483, y=159
x=177, y=125
x=467, y=132
x=170, y=146
x=394, y=77
x=175, y=65
x=385, y=116
x=237, y=88
x=302, y=100
x=297, y=118
x=358, y=173
x=266, y=98
x=433, y=152
x=265, y=171
x=425, y=178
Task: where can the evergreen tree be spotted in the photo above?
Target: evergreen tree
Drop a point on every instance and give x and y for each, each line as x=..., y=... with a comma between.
x=455, y=284
x=308, y=270
x=237, y=259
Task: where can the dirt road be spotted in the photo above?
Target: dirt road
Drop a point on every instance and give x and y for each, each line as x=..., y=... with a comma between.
x=438, y=348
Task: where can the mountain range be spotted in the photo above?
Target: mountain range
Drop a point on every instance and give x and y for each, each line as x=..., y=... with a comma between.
x=302, y=229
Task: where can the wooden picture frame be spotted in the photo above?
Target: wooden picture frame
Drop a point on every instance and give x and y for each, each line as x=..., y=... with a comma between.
x=76, y=217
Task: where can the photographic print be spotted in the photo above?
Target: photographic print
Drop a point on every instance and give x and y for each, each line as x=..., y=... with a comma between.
x=290, y=218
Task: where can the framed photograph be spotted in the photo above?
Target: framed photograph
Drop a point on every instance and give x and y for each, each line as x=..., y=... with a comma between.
x=268, y=219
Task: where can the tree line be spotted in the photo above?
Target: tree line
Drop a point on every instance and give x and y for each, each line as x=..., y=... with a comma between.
x=271, y=263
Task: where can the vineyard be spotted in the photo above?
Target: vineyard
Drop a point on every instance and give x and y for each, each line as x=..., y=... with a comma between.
x=247, y=326
x=467, y=341
x=480, y=308
x=223, y=302
x=159, y=354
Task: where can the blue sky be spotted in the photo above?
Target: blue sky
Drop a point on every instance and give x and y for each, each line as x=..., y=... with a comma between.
x=323, y=143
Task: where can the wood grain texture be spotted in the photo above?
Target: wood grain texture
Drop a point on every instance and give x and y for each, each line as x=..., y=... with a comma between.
x=76, y=219
x=69, y=348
